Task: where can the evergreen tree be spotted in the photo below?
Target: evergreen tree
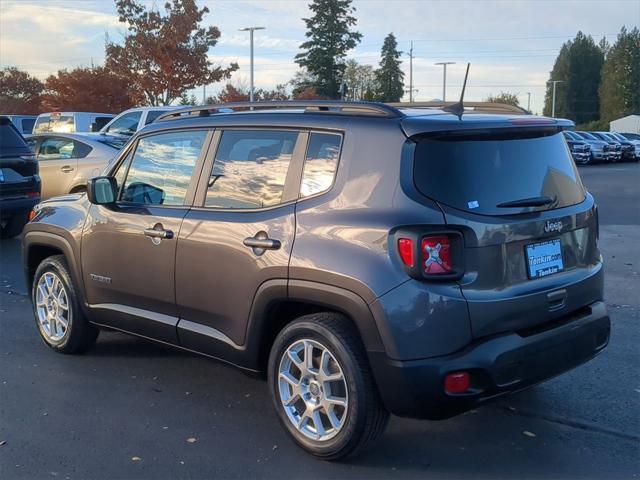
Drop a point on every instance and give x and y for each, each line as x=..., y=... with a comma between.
x=579, y=66
x=620, y=88
x=389, y=76
x=329, y=39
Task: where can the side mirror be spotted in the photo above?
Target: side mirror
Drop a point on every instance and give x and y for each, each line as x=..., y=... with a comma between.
x=102, y=190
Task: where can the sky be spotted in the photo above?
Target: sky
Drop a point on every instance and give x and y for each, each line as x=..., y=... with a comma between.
x=511, y=44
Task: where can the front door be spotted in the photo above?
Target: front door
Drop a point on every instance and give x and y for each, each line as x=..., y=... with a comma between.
x=129, y=249
x=240, y=235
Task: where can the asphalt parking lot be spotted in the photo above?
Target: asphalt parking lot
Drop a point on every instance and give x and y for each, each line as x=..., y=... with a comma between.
x=133, y=409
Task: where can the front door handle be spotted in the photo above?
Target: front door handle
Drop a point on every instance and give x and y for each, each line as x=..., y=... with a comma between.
x=158, y=233
x=67, y=169
x=261, y=242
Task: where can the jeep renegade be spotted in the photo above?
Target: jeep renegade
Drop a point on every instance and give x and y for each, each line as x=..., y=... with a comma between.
x=370, y=259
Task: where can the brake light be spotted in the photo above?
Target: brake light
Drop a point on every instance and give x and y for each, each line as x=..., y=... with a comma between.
x=405, y=249
x=436, y=255
x=32, y=215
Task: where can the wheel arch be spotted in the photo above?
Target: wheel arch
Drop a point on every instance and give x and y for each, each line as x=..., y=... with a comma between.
x=278, y=303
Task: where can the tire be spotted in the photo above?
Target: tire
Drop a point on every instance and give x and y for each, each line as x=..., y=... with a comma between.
x=14, y=226
x=336, y=350
x=52, y=291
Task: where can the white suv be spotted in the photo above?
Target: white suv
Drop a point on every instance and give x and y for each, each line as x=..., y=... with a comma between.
x=130, y=121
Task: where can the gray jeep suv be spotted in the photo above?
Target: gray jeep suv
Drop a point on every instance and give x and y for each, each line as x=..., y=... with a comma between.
x=369, y=259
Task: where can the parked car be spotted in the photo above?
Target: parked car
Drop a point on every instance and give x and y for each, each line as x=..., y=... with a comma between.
x=24, y=123
x=130, y=121
x=634, y=137
x=580, y=149
x=19, y=180
x=599, y=149
x=630, y=148
x=71, y=122
x=369, y=259
x=626, y=148
x=610, y=151
x=68, y=160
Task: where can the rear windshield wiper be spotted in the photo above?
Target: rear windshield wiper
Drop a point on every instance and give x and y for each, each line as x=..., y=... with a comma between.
x=529, y=202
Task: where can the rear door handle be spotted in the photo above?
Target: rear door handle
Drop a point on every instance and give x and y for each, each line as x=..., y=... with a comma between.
x=67, y=169
x=261, y=242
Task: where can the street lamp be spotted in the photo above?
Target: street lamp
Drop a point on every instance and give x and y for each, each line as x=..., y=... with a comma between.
x=444, y=78
x=553, y=98
x=251, y=30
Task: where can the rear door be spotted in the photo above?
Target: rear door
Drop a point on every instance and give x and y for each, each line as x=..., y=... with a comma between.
x=529, y=227
x=240, y=234
x=129, y=249
x=58, y=162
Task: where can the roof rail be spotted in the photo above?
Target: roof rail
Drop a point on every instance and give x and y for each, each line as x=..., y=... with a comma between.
x=310, y=106
x=480, y=107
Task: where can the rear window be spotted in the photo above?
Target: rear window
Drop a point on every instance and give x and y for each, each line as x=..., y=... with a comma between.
x=55, y=123
x=11, y=142
x=481, y=173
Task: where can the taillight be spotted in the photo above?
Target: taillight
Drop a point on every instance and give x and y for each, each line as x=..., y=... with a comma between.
x=430, y=255
x=405, y=249
x=436, y=255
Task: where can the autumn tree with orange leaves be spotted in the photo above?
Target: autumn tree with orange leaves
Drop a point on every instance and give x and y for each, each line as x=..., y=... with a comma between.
x=164, y=55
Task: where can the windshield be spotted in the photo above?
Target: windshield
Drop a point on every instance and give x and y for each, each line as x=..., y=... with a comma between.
x=113, y=142
x=485, y=174
x=588, y=135
x=126, y=124
x=54, y=123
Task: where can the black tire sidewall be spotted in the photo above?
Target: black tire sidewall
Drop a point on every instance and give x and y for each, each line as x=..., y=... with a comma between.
x=355, y=422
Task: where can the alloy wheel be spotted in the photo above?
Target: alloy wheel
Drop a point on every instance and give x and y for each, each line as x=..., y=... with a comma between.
x=52, y=306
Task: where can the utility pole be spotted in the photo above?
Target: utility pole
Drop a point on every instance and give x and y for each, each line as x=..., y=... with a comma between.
x=444, y=78
x=204, y=94
x=528, y=101
x=553, y=98
x=251, y=30
x=411, y=73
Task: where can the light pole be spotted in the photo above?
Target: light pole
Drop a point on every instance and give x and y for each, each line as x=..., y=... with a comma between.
x=528, y=101
x=553, y=98
x=444, y=78
x=251, y=30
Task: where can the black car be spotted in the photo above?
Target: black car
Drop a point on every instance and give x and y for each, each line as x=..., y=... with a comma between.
x=580, y=149
x=19, y=180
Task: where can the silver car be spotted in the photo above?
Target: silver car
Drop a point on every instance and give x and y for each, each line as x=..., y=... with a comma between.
x=67, y=160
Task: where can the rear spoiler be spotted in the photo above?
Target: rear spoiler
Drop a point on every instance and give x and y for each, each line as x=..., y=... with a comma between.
x=436, y=124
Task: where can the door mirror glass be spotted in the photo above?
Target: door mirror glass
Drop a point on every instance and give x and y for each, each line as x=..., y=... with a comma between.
x=102, y=190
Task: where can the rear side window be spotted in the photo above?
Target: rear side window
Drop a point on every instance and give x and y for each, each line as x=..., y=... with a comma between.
x=162, y=167
x=320, y=164
x=11, y=142
x=27, y=125
x=480, y=173
x=100, y=122
x=250, y=169
x=56, y=149
x=152, y=115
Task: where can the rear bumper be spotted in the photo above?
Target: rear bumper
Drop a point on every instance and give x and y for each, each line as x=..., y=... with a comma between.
x=498, y=365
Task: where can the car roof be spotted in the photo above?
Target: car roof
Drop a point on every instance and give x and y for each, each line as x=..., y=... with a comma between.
x=47, y=114
x=80, y=136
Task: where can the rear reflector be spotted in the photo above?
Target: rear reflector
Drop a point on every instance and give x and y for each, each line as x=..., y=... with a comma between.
x=405, y=249
x=32, y=215
x=33, y=194
x=458, y=382
x=436, y=255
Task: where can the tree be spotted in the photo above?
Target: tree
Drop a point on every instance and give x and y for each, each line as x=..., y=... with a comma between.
x=359, y=79
x=579, y=66
x=329, y=39
x=19, y=92
x=165, y=55
x=504, y=97
x=240, y=93
x=389, y=77
x=620, y=88
x=186, y=100
x=94, y=89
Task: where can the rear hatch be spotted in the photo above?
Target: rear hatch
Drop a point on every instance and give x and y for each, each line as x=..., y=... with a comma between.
x=529, y=227
x=18, y=167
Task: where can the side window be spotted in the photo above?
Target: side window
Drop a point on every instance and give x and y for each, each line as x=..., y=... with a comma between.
x=33, y=144
x=56, y=148
x=161, y=168
x=100, y=122
x=126, y=125
x=320, y=163
x=250, y=169
x=152, y=115
x=81, y=150
x=27, y=125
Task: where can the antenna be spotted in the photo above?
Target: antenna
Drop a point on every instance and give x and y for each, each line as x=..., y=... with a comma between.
x=458, y=108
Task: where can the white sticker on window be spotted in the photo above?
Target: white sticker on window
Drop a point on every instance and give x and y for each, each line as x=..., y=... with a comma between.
x=474, y=204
